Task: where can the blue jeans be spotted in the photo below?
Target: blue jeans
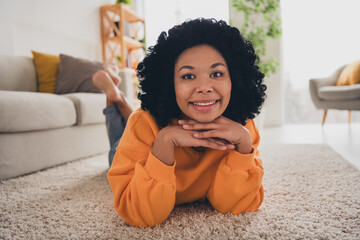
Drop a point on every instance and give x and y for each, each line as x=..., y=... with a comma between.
x=115, y=125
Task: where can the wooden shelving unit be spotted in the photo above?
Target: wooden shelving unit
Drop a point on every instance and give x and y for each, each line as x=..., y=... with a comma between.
x=118, y=35
x=120, y=30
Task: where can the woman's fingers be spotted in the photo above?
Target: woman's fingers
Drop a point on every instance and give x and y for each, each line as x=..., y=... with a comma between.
x=218, y=142
x=211, y=144
x=215, y=144
x=220, y=119
x=207, y=134
x=200, y=126
x=213, y=135
x=181, y=122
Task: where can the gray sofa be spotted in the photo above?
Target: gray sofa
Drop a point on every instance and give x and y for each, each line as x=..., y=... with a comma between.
x=41, y=130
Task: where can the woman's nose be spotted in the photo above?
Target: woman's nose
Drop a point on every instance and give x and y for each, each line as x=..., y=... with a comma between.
x=204, y=85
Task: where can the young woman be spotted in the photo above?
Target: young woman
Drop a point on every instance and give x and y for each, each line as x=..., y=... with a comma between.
x=194, y=137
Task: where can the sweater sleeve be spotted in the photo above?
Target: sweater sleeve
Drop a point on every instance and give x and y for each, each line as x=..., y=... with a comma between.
x=237, y=186
x=143, y=187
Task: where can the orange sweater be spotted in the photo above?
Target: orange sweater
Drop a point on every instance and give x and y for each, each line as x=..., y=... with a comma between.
x=146, y=190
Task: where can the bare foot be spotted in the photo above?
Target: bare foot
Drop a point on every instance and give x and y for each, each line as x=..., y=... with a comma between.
x=102, y=80
x=113, y=71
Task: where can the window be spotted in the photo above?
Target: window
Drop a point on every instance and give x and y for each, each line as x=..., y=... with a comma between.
x=318, y=36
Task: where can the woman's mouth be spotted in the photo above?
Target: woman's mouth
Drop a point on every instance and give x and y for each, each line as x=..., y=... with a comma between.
x=205, y=106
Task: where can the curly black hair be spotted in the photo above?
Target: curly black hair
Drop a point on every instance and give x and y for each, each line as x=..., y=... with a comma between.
x=156, y=71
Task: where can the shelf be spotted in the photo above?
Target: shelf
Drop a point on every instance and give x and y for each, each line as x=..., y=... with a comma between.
x=120, y=28
x=128, y=41
x=119, y=33
x=129, y=15
x=132, y=43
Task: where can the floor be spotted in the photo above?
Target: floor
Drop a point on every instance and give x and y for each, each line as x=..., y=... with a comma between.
x=343, y=138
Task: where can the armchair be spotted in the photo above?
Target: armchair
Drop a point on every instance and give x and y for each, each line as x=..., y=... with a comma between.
x=326, y=95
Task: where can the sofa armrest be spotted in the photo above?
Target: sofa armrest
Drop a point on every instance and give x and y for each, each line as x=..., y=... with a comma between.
x=329, y=80
x=316, y=83
x=17, y=73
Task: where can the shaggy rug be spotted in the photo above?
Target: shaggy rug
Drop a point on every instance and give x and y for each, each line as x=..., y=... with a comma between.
x=310, y=193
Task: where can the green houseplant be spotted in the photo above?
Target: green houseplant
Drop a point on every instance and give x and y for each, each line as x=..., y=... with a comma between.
x=128, y=2
x=261, y=21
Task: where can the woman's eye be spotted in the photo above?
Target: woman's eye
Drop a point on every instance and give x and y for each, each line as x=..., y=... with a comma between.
x=188, y=76
x=216, y=74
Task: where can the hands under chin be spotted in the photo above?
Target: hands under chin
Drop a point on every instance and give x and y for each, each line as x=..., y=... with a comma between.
x=220, y=134
x=225, y=131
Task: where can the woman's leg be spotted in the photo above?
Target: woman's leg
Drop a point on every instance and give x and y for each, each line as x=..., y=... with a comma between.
x=115, y=126
x=117, y=110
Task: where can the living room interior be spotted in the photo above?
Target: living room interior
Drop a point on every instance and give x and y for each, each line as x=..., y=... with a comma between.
x=54, y=146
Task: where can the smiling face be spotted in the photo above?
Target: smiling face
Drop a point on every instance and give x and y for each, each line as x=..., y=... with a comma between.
x=202, y=83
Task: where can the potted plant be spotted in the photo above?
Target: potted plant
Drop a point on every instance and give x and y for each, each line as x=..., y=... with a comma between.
x=128, y=2
x=260, y=22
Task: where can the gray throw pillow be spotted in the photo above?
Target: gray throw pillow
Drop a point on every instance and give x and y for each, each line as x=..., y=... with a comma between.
x=75, y=75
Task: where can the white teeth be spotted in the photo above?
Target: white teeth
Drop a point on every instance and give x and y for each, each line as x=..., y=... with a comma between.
x=204, y=104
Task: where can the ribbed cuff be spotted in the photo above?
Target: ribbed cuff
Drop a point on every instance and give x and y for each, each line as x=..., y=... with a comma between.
x=241, y=161
x=159, y=171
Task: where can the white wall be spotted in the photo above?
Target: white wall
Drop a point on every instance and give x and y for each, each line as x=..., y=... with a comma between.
x=56, y=26
x=161, y=15
x=272, y=114
x=327, y=38
x=73, y=27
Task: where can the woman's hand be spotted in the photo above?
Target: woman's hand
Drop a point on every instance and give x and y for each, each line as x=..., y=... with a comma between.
x=176, y=136
x=181, y=137
x=221, y=128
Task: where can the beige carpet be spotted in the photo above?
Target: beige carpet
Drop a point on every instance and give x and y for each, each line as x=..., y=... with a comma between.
x=310, y=193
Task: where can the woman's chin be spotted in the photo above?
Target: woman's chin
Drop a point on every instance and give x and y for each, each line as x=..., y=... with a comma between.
x=207, y=119
x=202, y=118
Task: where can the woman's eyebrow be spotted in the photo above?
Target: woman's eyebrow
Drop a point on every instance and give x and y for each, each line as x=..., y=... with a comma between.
x=187, y=67
x=217, y=64
x=192, y=68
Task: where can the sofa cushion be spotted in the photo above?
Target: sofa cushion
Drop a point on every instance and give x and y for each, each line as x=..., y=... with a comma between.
x=75, y=75
x=30, y=111
x=89, y=107
x=47, y=68
x=349, y=92
x=350, y=74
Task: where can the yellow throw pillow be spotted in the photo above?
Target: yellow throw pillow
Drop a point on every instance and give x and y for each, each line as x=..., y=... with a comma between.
x=350, y=74
x=47, y=68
